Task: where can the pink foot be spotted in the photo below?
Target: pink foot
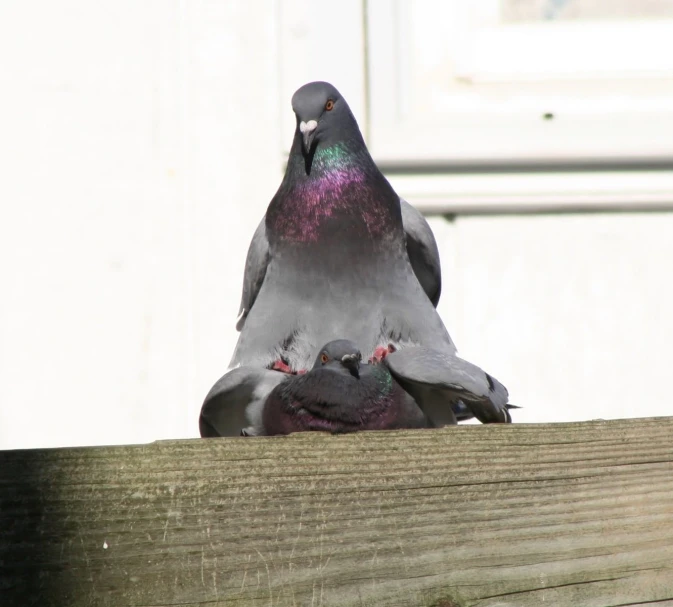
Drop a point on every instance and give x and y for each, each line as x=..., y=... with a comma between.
x=380, y=353
x=283, y=367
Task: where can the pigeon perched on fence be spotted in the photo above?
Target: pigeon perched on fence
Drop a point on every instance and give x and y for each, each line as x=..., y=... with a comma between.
x=340, y=394
x=332, y=257
x=408, y=389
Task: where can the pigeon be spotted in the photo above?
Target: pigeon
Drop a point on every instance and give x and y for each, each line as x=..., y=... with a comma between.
x=410, y=388
x=338, y=254
x=339, y=394
x=331, y=258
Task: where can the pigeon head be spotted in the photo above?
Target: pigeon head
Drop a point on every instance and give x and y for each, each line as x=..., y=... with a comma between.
x=332, y=192
x=340, y=356
x=321, y=113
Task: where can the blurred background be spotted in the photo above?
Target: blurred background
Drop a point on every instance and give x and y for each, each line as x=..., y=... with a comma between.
x=140, y=143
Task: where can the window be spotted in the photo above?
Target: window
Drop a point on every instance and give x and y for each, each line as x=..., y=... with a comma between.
x=520, y=81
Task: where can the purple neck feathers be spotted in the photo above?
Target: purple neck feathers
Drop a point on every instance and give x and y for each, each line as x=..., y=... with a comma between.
x=337, y=193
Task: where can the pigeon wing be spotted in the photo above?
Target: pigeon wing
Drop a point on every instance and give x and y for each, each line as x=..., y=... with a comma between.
x=236, y=401
x=432, y=377
x=256, y=263
x=422, y=250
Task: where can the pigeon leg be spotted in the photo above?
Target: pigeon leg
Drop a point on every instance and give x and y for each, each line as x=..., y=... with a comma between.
x=380, y=353
x=281, y=365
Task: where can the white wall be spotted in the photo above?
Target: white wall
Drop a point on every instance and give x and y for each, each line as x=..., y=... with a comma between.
x=572, y=312
x=140, y=144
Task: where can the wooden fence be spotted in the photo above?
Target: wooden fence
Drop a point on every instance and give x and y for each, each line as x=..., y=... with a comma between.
x=576, y=514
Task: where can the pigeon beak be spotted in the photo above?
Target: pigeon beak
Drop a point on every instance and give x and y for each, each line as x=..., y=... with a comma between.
x=307, y=130
x=352, y=363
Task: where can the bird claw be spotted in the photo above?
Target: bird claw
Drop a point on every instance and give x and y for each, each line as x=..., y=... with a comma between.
x=380, y=353
x=283, y=367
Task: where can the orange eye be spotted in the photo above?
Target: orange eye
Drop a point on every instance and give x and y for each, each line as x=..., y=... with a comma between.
x=323, y=358
x=329, y=105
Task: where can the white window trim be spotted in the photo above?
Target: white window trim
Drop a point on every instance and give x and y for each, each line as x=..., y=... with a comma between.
x=634, y=49
x=477, y=155
x=515, y=192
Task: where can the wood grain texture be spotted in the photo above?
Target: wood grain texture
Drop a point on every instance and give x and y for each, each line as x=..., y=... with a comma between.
x=574, y=514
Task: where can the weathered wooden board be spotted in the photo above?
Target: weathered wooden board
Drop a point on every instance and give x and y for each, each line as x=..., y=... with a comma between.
x=523, y=515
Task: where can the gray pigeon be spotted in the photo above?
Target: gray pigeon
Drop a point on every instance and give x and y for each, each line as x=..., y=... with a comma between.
x=332, y=258
x=341, y=394
x=337, y=262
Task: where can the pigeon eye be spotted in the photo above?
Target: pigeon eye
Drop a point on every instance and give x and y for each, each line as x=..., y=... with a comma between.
x=329, y=105
x=323, y=358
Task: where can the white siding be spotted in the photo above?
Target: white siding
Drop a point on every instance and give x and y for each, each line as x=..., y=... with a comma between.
x=572, y=312
x=140, y=146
